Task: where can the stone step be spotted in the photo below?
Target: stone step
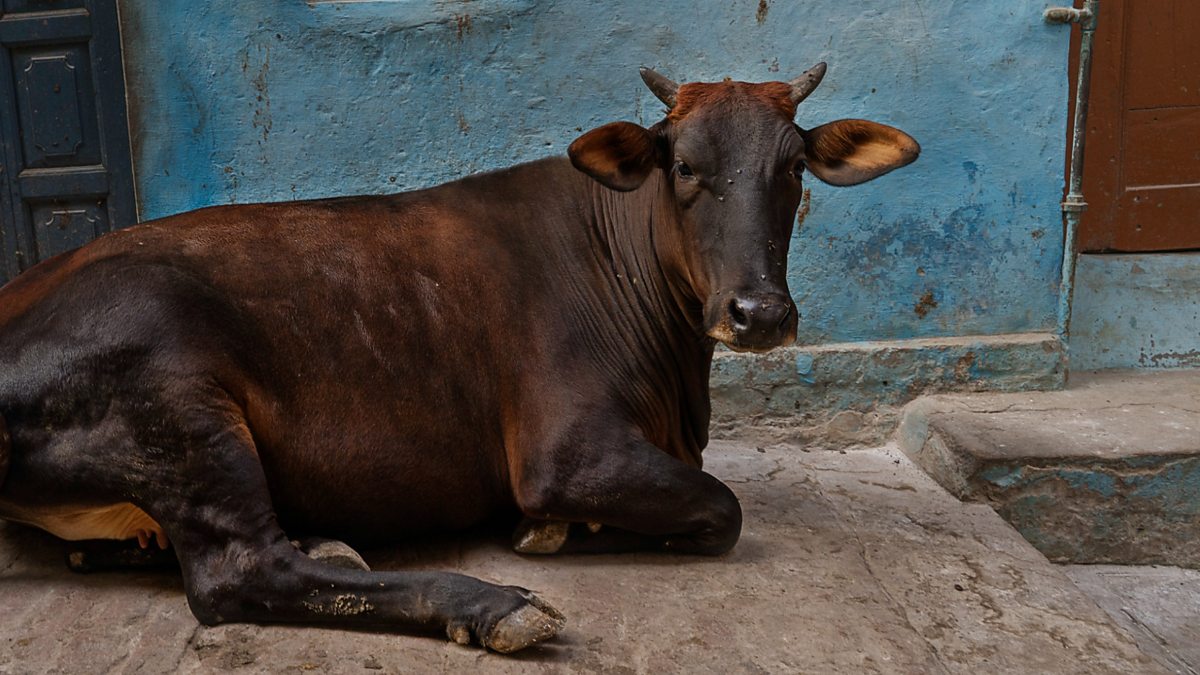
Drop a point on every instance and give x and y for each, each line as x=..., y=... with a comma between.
x=1106, y=471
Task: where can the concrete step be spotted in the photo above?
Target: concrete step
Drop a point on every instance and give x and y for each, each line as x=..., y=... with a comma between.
x=1107, y=471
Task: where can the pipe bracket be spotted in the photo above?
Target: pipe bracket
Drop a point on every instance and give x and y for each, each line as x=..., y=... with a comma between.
x=1085, y=17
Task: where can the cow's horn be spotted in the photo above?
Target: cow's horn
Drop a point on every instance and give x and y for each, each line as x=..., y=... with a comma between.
x=803, y=86
x=663, y=88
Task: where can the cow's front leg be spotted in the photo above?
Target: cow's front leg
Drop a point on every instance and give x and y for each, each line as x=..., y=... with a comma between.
x=103, y=555
x=633, y=496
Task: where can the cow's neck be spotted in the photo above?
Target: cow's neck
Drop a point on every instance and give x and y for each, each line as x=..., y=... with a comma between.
x=668, y=387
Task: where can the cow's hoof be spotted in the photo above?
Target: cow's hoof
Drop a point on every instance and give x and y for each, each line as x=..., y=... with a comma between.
x=527, y=625
x=540, y=536
x=332, y=552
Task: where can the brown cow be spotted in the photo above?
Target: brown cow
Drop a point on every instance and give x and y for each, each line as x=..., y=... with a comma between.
x=535, y=339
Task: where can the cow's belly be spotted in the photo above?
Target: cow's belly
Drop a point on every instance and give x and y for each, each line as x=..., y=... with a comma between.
x=363, y=494
x=77, y=523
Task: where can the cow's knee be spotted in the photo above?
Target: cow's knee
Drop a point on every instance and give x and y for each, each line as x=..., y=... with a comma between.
x=216, y=600
x=719, y=526
x=211, y=603
x=540, y=499
x=235, y=583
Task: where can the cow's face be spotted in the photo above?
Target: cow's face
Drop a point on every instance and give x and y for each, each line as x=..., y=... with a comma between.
x=731, y=162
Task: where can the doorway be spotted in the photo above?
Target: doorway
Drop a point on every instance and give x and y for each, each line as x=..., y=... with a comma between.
x=66, y=176
x=1142, y=166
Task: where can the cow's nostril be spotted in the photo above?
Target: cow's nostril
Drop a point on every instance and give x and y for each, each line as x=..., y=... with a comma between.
x=738, y=314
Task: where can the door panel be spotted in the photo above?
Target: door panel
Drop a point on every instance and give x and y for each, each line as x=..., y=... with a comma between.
x=61, y=224
x=66, y=174
x=15, y=6
x=1162, y=58
x=1142, y=167
x=1161, y=148
x=58, y=107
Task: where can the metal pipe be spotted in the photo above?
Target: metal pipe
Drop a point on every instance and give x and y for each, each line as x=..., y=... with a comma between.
x=1074, y=204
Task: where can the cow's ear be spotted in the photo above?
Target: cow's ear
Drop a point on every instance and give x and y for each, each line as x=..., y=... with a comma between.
x=849, y=152
x=619, y=155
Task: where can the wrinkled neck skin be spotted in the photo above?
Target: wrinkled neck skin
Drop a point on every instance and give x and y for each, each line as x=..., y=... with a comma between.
x=656, y=318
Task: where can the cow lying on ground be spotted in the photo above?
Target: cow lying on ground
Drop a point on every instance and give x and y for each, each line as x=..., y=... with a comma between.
x=535, y=339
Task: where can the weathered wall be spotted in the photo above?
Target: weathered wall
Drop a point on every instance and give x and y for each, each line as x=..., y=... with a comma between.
x=236, y=101
x=1136, y=310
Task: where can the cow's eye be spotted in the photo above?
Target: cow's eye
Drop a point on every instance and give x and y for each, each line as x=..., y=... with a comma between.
x=798, y=170
x=683, y=170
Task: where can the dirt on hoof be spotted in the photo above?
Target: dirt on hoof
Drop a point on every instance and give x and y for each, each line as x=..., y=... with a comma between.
x=459, y=634
x=540, y=537
x=528, y=625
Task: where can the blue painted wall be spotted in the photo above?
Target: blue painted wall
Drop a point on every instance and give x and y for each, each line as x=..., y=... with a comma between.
x=237, y=101
x=1136, y=310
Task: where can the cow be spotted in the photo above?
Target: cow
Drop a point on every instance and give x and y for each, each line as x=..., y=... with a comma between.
x=534, y=341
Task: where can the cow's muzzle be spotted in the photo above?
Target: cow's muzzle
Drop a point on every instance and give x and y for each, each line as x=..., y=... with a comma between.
x=756, y=322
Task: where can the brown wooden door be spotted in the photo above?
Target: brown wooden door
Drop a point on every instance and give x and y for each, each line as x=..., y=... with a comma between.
x=1142, y=166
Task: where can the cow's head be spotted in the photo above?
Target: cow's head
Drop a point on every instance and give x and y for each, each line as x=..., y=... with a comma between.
x=731, y=162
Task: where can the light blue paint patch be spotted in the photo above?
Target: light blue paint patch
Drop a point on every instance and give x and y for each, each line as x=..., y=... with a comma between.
x=235, y=101
x=1002, y=475
x=1095, y=480
x=1176, y=486
x=804, y=367
x=1154, y=486
x=1136, y=311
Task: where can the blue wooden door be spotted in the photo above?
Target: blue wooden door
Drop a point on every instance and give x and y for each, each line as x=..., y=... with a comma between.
x=65, y=169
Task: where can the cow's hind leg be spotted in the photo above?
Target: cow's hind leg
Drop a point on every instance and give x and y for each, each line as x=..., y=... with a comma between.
x=239, y=566
x=106, y=555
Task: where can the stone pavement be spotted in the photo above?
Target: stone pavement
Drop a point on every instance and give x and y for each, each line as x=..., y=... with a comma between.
x=850, y=562
x=1159, y=606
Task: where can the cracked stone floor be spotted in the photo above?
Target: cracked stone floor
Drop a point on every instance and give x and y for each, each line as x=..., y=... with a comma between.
x=849, y=562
